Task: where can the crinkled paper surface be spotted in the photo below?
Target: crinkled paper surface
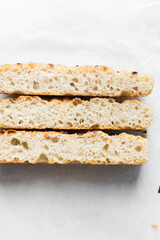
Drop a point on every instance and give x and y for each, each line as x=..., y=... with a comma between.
x=83, y=202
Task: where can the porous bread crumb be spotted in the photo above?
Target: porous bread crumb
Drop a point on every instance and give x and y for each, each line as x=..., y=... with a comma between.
x=48, y=79
x=98, y=113
x=88, y=148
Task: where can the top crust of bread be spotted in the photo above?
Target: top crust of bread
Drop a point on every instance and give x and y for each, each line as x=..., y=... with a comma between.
x=48, y=79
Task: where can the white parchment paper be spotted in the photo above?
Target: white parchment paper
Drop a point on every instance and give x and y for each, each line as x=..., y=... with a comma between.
x=83, y=202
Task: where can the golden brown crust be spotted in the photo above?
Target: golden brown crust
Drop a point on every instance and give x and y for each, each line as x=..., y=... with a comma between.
x=69, y=162
x=79, y=69
x=71, y=100
x=87, y=68
x=47, y=133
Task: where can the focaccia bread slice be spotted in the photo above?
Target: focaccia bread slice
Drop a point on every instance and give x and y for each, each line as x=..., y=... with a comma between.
x=98, y=113
x=88, y=148
x=48, y=79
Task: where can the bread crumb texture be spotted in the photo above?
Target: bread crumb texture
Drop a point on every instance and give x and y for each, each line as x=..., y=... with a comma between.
x=98, y=113
x=89, y=148
x=48, y=79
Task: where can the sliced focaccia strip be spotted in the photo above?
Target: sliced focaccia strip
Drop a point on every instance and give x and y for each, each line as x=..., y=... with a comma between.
x=97, y=113
x=55, y=147
x=48, y=79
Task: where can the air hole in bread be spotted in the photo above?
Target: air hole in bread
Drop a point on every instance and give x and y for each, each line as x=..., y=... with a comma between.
x=50, y=80
x=47, y=137
x=77, y=101
x=103, y=104
x=54, y=139
x=95, y=126
x=60, y=122
x=136, y=107
x=125, y=93
x=75, y=80
x=15, y=141
x=95, y=88
x=105, y=147
x=28, y=98
x=1, y=111
x=135, y=88
x=31, y=122
x=60, y=158
x=69, y=124
x=110, y=100
x=138, y=148
x=8, y=106
x=105, y=139
x=78, y=114
x=10, y=116
x=46, y=147
x=69, y=71
x=118, y=90
x=123, y=143
x=111, y=88
x=72, y=84
x=42, y=158
x=86, y=83
x=146, y=116
x=139, y=121
x=77, y=89
x=12, y=83
x=35, y=85
x=84, y=75
x=107, y=160
x=50, y=87
x=116, y=153
x=20, y=122
x=81, y=120
x=25, y=145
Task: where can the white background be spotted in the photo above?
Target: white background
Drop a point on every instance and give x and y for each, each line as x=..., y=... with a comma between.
x=83, y=202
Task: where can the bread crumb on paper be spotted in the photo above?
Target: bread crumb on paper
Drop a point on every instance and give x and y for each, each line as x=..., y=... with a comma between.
x=154, y=226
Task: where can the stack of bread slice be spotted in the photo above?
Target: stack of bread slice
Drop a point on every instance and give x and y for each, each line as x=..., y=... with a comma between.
x=79, y=102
